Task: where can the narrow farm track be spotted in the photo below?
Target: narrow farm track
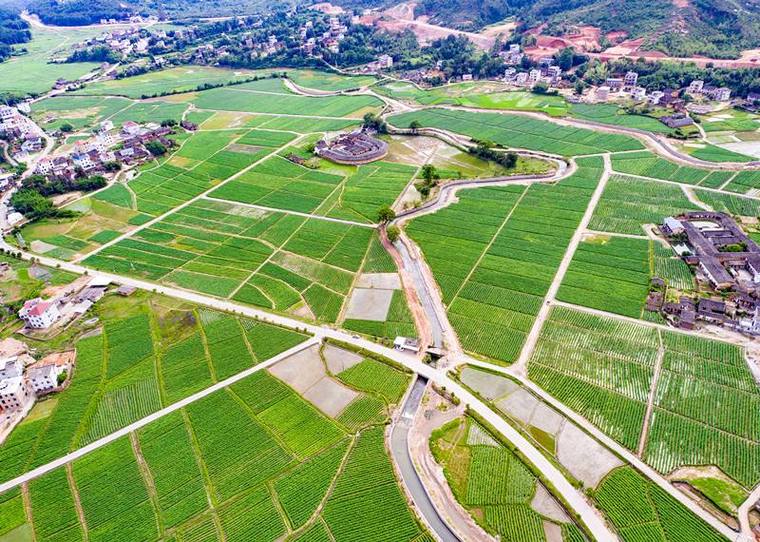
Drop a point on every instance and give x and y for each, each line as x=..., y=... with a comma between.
x=521, y=364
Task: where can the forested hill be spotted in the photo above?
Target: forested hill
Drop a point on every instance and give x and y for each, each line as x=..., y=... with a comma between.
x=715, y=28
x=13, y=30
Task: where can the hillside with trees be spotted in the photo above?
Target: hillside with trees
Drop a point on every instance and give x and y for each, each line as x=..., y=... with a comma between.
x=13, y=31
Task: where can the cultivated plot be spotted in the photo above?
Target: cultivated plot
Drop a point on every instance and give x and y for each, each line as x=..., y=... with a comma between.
x=508, y=243
x=519, y=132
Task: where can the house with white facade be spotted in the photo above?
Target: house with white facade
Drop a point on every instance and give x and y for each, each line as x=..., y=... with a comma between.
x=39, y=314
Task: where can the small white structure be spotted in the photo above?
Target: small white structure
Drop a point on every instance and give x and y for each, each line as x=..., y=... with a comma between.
x=467, y=77
x=43, y=375
x=406, y=344
x=631, y=79
x=385, y=61
x=15, y=394
x=106, y=126
x=695, y=87
x=602, y=93
x=39, y=314
x=638, y=93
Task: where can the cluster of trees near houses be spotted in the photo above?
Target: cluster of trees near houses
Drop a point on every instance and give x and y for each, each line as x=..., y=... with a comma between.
x=32, y=200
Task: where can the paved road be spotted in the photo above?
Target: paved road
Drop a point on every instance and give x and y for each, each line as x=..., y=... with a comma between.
x=402, y=456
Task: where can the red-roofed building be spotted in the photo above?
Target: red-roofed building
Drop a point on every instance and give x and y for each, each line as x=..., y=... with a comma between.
x=39, y=314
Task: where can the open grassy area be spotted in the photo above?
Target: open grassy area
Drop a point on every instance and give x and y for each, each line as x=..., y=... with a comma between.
x=32, y=72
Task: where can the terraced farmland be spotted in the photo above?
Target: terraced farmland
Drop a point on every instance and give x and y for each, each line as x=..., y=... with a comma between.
x=519, y=132
x=230, y=467
x=509, y=242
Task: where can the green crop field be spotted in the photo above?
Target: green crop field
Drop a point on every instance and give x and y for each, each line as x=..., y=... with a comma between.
x=707, y=410
x=328, y=81
x=250, y=462
x=126, y=373
x=599, y=367
x=274, y=260
x=509, y=242
x=642, y=511
x=615, y=116
x=706, y=403
x=519, y=132
x=239, y=98
x=281, y=184
x=82, y=112
x=482, y=95
x=628, y=204
x=172, y=80
x=492, y=483
x=713, y=153
x=610, y=274
x=745, y=182
x=647, y=164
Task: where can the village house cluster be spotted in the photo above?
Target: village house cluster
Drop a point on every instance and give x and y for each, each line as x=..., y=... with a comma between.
x=726, y=261
x=126, y=146
x=329, y=39
x=23, y=380
x=546, y=71
x=46, y=316
x=21, y=132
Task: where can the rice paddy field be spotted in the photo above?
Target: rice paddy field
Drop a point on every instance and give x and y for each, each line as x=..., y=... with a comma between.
x=705, y=399
x=515, y=131
x=151, y=352
x=494, y=486
x=509, y=242
x=230, y=467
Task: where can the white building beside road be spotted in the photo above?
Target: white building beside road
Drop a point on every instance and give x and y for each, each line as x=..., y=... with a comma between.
x=15, y=394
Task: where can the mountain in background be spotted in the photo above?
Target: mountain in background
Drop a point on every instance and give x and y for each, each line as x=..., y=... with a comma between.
x=713, y=28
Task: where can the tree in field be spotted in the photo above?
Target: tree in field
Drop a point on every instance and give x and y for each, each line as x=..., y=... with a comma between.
x=385, y=214
x=415, y=126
